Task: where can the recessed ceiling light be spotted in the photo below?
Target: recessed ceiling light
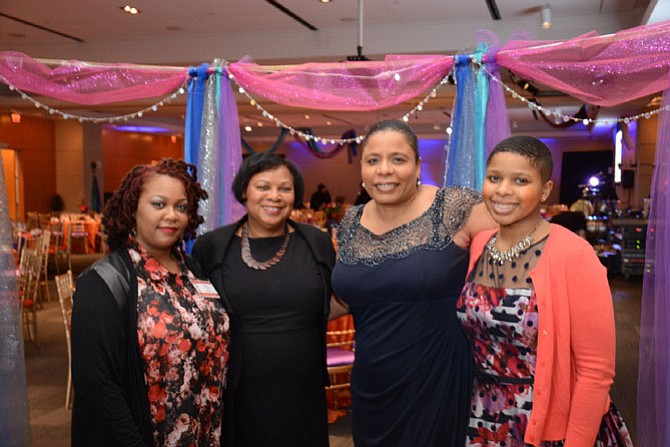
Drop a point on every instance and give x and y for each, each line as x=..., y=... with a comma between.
x=130, y=9
x=325, y=1
x=307, y=117
x=259, y=124
x=248, y=128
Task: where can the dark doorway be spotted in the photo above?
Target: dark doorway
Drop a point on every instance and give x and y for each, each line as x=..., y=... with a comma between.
x=578, y=167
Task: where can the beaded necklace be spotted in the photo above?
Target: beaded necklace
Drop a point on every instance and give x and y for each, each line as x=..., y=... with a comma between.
x=501, y=256
x=248, y=258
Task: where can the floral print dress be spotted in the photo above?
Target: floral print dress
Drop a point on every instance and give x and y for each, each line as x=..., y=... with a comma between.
x=183, y=334
x=499, y=316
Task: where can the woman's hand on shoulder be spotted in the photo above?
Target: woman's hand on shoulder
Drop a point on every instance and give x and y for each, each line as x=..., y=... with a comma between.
x=479, y=220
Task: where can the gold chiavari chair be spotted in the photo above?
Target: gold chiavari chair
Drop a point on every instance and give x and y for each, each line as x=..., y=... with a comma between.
x=65, y=289
x=29, y=276
x=44, y=248
x=77, y=240
x=43, y=220
x=340, y=360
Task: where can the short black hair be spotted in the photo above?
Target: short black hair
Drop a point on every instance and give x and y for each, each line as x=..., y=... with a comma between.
x=261, y=162
x=529, y=147
x=394, y=126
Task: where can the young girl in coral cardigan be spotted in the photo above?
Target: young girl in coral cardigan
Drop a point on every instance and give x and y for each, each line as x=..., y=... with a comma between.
x=538, y=313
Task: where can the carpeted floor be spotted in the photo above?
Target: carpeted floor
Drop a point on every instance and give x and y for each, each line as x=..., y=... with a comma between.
x=46, y=368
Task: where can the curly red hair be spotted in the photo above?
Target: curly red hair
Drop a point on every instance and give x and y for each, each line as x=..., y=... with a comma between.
x=118, y=217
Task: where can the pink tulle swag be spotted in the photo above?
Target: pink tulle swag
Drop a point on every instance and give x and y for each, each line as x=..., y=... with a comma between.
x=369, y=85
x=83, y=83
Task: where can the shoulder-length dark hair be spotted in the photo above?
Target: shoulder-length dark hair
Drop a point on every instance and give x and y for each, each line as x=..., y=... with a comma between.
x=261, y=162
x=118, y=217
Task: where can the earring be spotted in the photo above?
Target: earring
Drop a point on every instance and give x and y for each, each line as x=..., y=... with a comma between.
x=133, y=233
x=363, y=185
x=418, y=182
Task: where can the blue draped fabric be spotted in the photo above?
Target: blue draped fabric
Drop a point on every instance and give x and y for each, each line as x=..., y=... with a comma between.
x=460, y=163
x=481, y=101
x=194, y=104
x=14, y=420
x=653, y=392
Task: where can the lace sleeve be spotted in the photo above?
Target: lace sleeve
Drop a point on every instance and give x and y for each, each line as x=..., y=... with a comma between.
x=457, y=204
x=433, y=230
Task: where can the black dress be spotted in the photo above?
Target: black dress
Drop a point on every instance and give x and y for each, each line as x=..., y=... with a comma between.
x=280, y=399
x=412, y=376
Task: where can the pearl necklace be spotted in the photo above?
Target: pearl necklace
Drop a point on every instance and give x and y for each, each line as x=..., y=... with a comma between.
x=501, y=256
x=248, y=258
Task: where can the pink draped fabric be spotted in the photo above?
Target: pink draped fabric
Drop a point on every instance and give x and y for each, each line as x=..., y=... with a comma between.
x=369, y=85
x=602, y=70
x=84, y=83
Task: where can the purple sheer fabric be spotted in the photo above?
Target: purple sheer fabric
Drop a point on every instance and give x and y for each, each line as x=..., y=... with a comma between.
x=497, y=119
x=602, y=70
x=653, y=393
x=344, y=85
x=82, y=83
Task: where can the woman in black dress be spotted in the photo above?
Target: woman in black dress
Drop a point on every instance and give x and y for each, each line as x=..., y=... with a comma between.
x=274, y=278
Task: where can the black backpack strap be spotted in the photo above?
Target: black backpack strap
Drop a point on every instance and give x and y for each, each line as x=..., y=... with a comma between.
x=115, y=273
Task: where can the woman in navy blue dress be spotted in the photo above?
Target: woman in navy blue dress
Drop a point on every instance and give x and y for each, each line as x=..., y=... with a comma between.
x=401, y=265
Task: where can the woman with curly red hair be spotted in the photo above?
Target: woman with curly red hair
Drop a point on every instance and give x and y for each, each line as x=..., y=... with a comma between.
x=149, y=336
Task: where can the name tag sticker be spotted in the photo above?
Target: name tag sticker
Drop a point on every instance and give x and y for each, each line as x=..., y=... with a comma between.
x=205, y=288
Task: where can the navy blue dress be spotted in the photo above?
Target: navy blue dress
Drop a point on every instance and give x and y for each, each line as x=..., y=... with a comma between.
x=412, y=377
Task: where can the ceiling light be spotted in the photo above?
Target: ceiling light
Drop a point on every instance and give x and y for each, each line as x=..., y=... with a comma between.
x=259, y=124
x=16, y=117
x=325, y=1
x=307, y=117
x=130, y=9
x=545, y=16
x=248, y=128
x=328, y=123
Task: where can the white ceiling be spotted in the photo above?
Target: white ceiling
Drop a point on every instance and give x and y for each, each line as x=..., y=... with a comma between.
x=181, y=32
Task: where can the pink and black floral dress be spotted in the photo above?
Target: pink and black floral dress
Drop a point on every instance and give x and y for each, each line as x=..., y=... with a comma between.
x=499, y=316
x=183, y=334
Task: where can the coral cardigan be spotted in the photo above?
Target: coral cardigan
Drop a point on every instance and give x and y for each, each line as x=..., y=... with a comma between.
x=576, y=341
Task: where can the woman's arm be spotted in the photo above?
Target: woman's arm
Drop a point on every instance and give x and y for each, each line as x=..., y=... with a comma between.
x=338, y=307
x=478, y=220
x=99, y=361
x=593, y=345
